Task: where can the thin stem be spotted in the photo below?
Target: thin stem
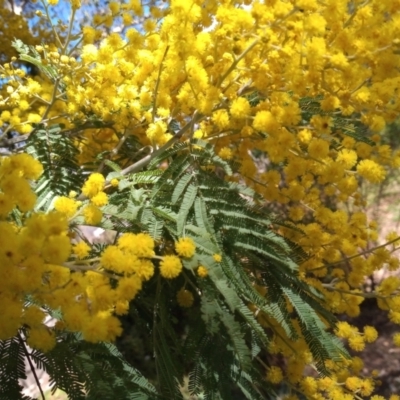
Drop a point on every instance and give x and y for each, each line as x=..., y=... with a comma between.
x=71, y=24
x=357, y=255
x=372, y=295
x=158, y=84
x=33, y=369
x=238, y=59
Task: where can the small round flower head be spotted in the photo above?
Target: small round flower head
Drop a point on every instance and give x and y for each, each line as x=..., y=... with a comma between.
x=92, y=214
x=100, y=199
x=141, y=244
x=274, y=375
x=81, y=250
x=185, y=247
x=170, y=267
x=202, y=272
x=185, y=298
x=217, y=257
x=93, y=185
x=370, y=334
x=114, y=182
x=66, y=206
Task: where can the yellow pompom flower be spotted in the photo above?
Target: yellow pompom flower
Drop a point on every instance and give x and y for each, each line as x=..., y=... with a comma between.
x=396, y=339
x=100, y=199
x=170, y=267
x=357, y=343
x=141, y=244
x=92, y=214
x=93, y=185
x=318, y=148
x=185, y=247
x=66, y=206
x=225, y=153
x=128, y=287
x=274, y=375
x=202, y=272
x=217, y=257
x=185, y=298
x=56, y=249
x=240, y=108
x=114, y=182
x=371, y=171
x=6, y=204
x=347, y=157
x=146, y=269
x=41, y=338
x=370, y=334
x=114, y=259
x=81, y=249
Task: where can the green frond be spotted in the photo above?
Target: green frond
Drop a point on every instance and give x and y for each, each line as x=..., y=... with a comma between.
x=180, y=187
x=171, y=151
x=185, y=206
x=12, y=368
x=58, y=155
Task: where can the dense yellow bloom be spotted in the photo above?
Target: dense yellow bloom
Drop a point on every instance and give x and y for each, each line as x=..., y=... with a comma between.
x=141, y=244
x=370, y=334
x=274, y=375
x=66, y=206
x=170, y=267
x=347, y=157
x=185, y=298
x=371, y=171
x=93, y=185
x=202, y=272
x=100, y=199
x=81, y=249
x=240, y=108
x=217, y=257
x=318, y=148
x=225, y=153
x=92, y=214
x=185, y=247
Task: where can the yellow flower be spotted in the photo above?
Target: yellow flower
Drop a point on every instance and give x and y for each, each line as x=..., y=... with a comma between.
x=66, y=206
x=371, y=171
x=56, y=249
x=100, y=199
x=202, y=272
x=347, y=157
x=185, y=298
x=114, y=259
x=345, y=330
x=93, y=185
x=357, y=343
x=114, y=182
x=240, y=108
x=353, y=383
x=6, y=205
x=370, y=334
x=185, y=247
x=318, y=148
x=217, y=257
x=41, y=338
x=81, y=249
x=128, y=287
x=92, y=214
x=225, y=153
x=170, y=267
x=141, y=244
x=274, y=375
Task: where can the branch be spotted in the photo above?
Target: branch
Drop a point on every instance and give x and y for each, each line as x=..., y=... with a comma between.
x=31, y=365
